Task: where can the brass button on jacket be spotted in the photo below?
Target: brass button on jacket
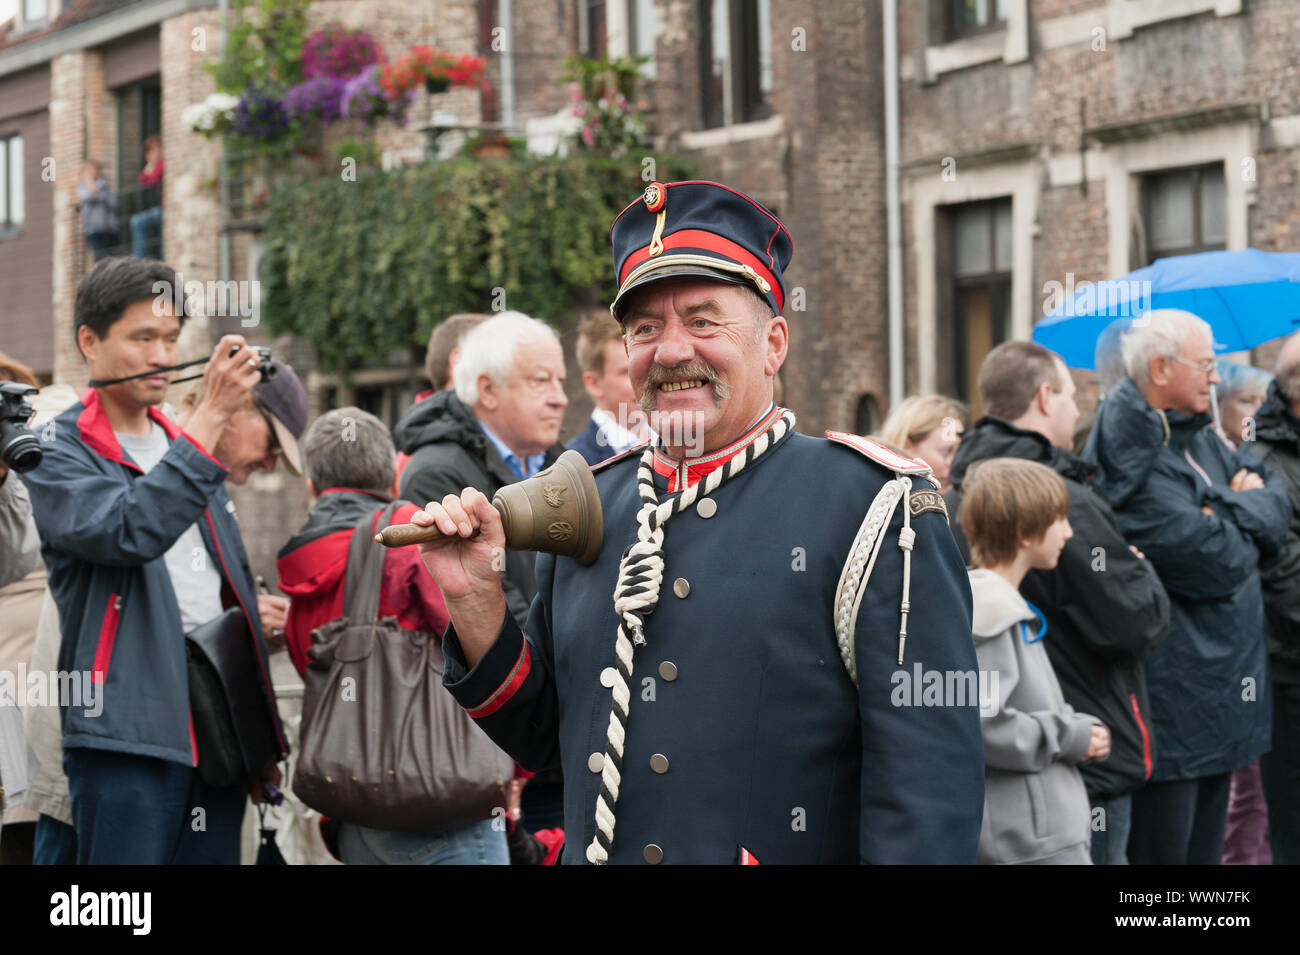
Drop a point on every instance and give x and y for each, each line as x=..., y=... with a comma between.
x=659, y=763
x=653, y=854
x=668, y=670
x=681, y=587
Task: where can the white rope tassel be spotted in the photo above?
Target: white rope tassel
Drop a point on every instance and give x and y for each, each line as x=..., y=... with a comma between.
x=640, y=580
x=906, y=538
x=862, y=561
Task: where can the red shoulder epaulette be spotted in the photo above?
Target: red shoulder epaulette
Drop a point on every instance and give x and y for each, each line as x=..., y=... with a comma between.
x=886, y=457
x=596, y=468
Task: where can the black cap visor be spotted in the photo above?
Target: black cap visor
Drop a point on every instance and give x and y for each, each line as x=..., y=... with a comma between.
x=670, y=271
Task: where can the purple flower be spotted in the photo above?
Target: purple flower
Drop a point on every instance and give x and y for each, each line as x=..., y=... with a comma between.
x=260, y=113
x=363, y=99
x=339, y=53
x=320, y=96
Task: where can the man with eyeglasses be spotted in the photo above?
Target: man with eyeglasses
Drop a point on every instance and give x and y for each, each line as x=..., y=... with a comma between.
x=1204, y=515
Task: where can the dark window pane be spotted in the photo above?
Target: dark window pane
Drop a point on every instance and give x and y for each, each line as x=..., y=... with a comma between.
x=1214, y=206
x=867, y=417
x=976, y=315
x=965, y=13
x=714, y=43
x=1002, y=237
x=971, y=240
x=1169, y=204
x=1185, y=211
x=596, y=41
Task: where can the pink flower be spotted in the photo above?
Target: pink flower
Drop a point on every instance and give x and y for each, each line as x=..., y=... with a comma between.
x=588, y=136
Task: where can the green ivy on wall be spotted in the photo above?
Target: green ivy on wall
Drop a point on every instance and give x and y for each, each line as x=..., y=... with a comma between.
x=362, y=268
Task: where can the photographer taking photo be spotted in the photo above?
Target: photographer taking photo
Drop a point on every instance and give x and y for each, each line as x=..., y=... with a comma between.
x=142, y=547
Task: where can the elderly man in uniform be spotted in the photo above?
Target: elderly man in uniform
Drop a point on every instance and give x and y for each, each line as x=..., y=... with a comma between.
x=731, y=680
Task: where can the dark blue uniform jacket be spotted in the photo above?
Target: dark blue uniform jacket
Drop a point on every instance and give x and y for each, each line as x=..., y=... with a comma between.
x=769, y=745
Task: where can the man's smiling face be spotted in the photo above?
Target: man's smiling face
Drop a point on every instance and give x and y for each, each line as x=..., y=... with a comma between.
x=699, y=359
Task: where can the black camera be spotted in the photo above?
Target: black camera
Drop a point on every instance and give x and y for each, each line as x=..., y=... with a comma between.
x=264, y=364
x=19, y=448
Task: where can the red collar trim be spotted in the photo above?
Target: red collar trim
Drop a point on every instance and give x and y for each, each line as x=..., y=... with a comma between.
x=687, y=471
x=97, y=431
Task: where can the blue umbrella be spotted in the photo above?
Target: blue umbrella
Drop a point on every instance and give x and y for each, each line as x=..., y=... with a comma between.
x=1247, y=296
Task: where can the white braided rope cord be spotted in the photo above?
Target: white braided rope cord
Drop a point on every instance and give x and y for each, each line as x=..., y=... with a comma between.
x=640, y=579
x=862, y=561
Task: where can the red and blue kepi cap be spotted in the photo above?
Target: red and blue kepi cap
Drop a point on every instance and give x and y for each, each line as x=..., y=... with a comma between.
x=698, y=228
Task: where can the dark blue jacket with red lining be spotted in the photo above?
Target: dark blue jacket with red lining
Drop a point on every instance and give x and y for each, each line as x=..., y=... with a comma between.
x=105, y=528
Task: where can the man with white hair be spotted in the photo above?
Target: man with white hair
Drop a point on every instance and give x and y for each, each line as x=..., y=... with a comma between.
x=499, y=424
x=1203, y=515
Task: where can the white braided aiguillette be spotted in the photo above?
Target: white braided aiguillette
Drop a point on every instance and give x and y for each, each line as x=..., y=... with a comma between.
x=640, y=580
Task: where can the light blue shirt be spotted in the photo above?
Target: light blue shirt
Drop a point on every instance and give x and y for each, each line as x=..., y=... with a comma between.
x=525, y=467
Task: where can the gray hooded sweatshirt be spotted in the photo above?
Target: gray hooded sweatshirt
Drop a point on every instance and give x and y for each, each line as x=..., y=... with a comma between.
x=1035, y=807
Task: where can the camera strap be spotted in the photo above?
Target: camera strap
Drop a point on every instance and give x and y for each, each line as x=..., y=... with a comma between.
x=100, y=383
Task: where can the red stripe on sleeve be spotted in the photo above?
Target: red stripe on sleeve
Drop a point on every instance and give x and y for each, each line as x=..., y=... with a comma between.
x=508, y=688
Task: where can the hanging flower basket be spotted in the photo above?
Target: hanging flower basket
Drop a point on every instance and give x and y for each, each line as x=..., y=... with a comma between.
x=436, y=70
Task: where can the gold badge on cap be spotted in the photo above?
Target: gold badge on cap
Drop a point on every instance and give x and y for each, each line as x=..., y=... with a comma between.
x=655, y=195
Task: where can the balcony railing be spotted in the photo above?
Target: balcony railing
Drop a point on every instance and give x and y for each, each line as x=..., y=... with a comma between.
x=137, y=228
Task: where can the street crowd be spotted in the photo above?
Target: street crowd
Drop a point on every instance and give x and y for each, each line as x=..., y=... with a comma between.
x=1132, y=580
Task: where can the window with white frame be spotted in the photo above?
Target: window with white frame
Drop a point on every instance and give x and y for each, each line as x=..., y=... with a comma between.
x=11, y=182
x=615, y=28
x=735, y=61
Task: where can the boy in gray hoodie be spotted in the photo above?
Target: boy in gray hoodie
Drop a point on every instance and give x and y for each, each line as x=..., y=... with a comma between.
x=1036, y=812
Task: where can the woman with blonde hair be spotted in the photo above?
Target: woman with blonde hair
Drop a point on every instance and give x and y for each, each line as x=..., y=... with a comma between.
x=928, y=427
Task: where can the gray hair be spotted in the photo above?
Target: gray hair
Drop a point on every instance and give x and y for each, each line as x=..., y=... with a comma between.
x=1286, y=372
x=348, y=447
x=1108, y=358
x=490, y=348
x=1160, y=333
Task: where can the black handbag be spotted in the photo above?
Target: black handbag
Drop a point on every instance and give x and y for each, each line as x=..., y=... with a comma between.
x=232, y=721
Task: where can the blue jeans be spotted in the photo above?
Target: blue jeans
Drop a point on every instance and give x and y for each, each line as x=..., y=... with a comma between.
x=138, y=810
x=146, y=233
x=56, y=842
x=1110, y=844
x=479, y=843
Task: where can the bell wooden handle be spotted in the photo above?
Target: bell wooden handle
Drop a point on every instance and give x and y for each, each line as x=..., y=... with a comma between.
x=400, y=535
x=556, y=511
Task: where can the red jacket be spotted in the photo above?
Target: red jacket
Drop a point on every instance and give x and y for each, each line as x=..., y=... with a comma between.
x=312, y=563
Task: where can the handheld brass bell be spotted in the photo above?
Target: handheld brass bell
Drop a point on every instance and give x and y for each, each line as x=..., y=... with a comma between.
x=556, y=511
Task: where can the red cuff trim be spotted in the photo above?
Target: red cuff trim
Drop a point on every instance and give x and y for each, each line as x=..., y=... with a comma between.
x=202, y=450
x=508, y=688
